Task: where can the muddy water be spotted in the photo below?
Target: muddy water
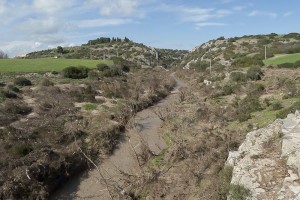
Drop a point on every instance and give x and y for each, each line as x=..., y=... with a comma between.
x=91, y=186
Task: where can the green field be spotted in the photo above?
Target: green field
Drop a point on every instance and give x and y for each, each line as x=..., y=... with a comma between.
x=288, y=58
x=45, y=64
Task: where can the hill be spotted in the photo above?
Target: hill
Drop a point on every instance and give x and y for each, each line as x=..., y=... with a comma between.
x=107, y=48
x=239, y=52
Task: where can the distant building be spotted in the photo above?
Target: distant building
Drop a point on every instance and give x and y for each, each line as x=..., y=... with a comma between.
x=20, y=56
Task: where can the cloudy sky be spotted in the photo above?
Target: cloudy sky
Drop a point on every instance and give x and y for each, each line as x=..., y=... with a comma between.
x=30, y=25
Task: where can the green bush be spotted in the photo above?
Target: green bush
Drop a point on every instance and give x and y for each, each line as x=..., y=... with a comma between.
x=238, y=77
x=112, y=71
x=228, y=89
x=16, y=108
x=93, y=75
x=239, y=192
x=283, y=113
x=124, y=65
x=246, y=106
x=79, y=72
x=22, y=150
x=290, y=65
x=89, y=106
x=276, y=105
x=102, y=66
x=254, y=73
x=46, y=82
x=22, y=81
x=247, y=61
x=259, y=87
x=9, y=92
x=225, y=176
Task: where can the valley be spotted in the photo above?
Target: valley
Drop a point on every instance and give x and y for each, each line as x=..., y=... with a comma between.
x=134, y=122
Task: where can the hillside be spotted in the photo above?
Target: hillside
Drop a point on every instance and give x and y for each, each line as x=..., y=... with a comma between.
x=241, y=52
x=56, y=126
x=106, y=49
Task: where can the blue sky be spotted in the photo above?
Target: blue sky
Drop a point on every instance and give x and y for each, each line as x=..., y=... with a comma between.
x=30, y=25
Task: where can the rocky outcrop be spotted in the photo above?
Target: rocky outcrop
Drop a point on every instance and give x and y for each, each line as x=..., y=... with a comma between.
x=268, y=162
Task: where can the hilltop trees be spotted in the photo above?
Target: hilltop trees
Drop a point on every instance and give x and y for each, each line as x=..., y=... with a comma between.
x=3, y=55
x=60, y=50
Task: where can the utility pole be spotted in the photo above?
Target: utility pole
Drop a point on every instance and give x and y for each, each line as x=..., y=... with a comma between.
x=210, y=66
x=265, y=52
x=156, y=57
x=90, y=49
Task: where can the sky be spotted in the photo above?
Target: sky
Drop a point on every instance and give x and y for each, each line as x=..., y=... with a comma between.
x=32, y=25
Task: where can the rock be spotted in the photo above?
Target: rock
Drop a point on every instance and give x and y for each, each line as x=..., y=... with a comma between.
x=268, y=161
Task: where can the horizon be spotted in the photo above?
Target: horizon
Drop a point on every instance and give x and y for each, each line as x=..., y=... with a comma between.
x=34, y=25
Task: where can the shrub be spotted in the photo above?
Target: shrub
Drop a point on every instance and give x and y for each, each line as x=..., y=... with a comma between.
x=102, y=66
x=283, y=113
x=112, y=71
x=46, y=82
x=238, y=77
x=79, y=72
x=248, y=105
x=16, y=108
x=286, y=65
x=22, y=150
x=248, y=61
x=12, y=88
x=290, y=65
x=259, y=87
x=89, y=106
x=276, y=105
x=254, y=73
x=239, y=192
x=93, y=75
x=228, y=89
x=22, y=81
x=225, y=176
x=125, y=65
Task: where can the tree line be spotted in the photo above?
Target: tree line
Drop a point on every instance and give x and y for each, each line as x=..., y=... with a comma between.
x=3, y=55
x=105, y=40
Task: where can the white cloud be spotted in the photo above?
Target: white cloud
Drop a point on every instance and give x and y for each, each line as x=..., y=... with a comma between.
x=255, y=13
x=205, y=24
x=239, y=8
x=117, y=7
x=227, y=1
x=51, y=6
x=49, y=25
x=3, y=6
x=199, y=16
x=101, y=22
x=288, y=14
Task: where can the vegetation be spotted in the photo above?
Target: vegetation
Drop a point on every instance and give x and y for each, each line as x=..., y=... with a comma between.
x=254, y=73
x=72, y=114
x=238, y=192
x=22, y=81
x=89, y=106
x=44, y=64
x=79, y=72
x=281, y=59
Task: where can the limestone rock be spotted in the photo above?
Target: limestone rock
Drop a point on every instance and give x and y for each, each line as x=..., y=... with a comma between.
x=268, y=161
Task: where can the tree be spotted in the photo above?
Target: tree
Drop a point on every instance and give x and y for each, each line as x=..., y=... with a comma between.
x=126, y=39
x=60, y=50
x=255, y=73
x=3, y=55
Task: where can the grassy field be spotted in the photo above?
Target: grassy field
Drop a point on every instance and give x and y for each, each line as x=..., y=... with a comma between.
x=288, y=58
x=45, y=64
